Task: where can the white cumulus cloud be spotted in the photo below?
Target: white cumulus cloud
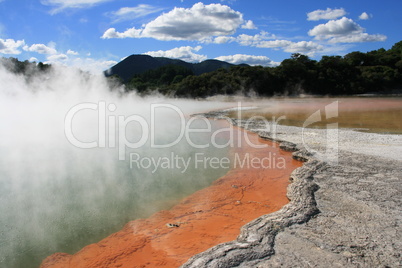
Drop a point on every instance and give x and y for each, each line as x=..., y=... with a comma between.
x=11, y=46
x=72, y=52
x=185, y=53
x=249, y=25
x=196, y=23
x=41, y=49
x=304, y=47
x=266, y=40
x=248, y=59
x=60, y=5
x=364, y=16
x=57, y=58
x=129, y=33
x=223, y=39
x=328, y=14
x=273, y=44
x=333, y=28
x=343, y=30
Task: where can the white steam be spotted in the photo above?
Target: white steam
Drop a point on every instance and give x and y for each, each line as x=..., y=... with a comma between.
x=54, y=196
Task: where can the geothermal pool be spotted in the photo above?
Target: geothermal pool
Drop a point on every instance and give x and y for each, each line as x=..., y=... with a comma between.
x=68, y=177
x=256, y=185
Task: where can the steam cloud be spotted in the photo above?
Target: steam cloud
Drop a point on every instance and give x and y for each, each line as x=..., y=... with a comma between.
x=56, y=197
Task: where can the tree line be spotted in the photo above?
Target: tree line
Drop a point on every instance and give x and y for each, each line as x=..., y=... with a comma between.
x=26, y=67
x=378, y=71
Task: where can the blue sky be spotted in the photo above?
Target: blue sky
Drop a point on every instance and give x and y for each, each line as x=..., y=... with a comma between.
x=95, y=34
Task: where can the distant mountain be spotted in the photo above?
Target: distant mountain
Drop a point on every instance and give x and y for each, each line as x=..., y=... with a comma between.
x=137, y=64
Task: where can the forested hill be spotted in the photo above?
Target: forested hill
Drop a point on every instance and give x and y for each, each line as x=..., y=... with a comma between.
x=377, y=71
x=138, y=64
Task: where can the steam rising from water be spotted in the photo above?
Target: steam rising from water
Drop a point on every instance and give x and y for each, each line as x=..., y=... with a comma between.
x=56, y=197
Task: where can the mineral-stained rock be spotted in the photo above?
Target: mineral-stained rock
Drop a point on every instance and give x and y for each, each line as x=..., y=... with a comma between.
x=302, y=155
x=288, y=146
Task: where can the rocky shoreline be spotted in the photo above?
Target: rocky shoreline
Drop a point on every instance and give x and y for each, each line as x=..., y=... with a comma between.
x=346, y=214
